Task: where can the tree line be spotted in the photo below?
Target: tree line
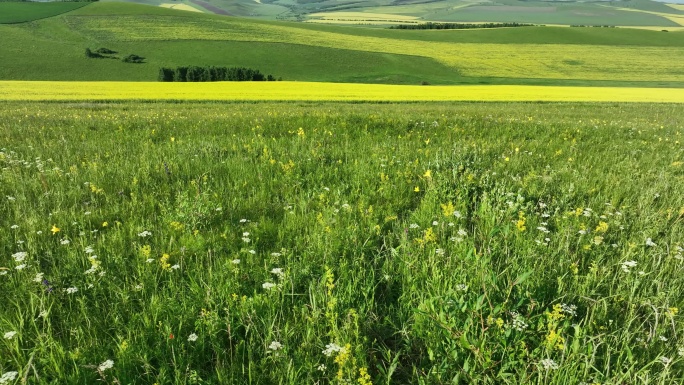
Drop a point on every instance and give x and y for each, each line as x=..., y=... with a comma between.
x=431, y=25
x=212, y=74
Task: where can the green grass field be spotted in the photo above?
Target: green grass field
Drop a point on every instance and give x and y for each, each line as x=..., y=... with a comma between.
x=305, y=52
x=301, y=243
x=11, y=12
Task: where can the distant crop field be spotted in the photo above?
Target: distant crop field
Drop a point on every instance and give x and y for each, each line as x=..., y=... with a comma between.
x=296, y=91
x=542, y=61
x=11, y=12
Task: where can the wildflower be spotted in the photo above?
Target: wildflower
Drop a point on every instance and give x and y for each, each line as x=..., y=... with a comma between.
x=14, y=227
x=602, y=227
x=278, y=271
x=89, y=250
x=628, y=265
x=149, y=260
x=321, y=368
x=435, y=223
x=192, y=337
x=243, y=220
x=105, y=224
x=332, y=348
x=71, y=290
x=21, y=267
x=38, y=278
x=10, y=335
x=20, y=256
x=518, y=323
x=268, y=285
x=663, y=338
x=462, y=287
x=8, y=377
x=275, y=345
x=650, y=243
x=439, y=251
x=55, y=229
x=569, y=309
x=106, y=365
x=64, y=241
x=252, y=252
x=413, y=226
x=549, y=364
x=145, y=234
x=175, y=267
x=235, y=261
x=171, y=336
x=39, y=232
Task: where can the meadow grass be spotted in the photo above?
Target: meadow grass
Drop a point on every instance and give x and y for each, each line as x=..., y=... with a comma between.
x=307, y=91
x=229, y=243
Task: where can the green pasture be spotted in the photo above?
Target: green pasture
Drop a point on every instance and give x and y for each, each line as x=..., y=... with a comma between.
x=20, y=12
x=332, y=243
x=53, y=49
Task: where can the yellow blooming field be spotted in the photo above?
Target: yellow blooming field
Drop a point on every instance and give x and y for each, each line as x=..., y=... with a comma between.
x=309, y=91
x=542, y=61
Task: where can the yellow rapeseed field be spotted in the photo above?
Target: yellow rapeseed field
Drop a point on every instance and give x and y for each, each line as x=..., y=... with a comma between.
x=541, y=61
x=306, y=91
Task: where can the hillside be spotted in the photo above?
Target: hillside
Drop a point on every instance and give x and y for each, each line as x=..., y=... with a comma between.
x=308, y=52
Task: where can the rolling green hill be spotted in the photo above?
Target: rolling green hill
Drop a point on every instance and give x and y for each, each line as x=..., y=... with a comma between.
x=20, y=12
x=53, y=49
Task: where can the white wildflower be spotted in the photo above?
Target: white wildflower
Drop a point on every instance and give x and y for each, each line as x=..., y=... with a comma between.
x=462, y=232
x=175, y=267
x=106, y=365
x=192, y=337
x=149, y=260
x=275, y=345
x=145, y=234
x=439, y=251
x=518, y=323
x=19, y=256
x=235, y=261
x=268, y=285
x=275, y=254
x=569, y=309
x=321, y=368
x=10, y=335
x=89, y=250
x=332, y=348
x=71, y=290
x=278, y=271
x=457, y=214
x=462, y=287
x=549, y=364
x=64, y=241
x=21, y=267
x=413, y=226
x=252, y=252
x=14, y=227
x=628, y=265
x=435, y=223
x=8, y=377
x=662, y=338
x=38, y=278
x=650, y=243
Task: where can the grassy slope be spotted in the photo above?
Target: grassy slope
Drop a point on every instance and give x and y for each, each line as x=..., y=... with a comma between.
x=60, y=41
x=26, y=11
